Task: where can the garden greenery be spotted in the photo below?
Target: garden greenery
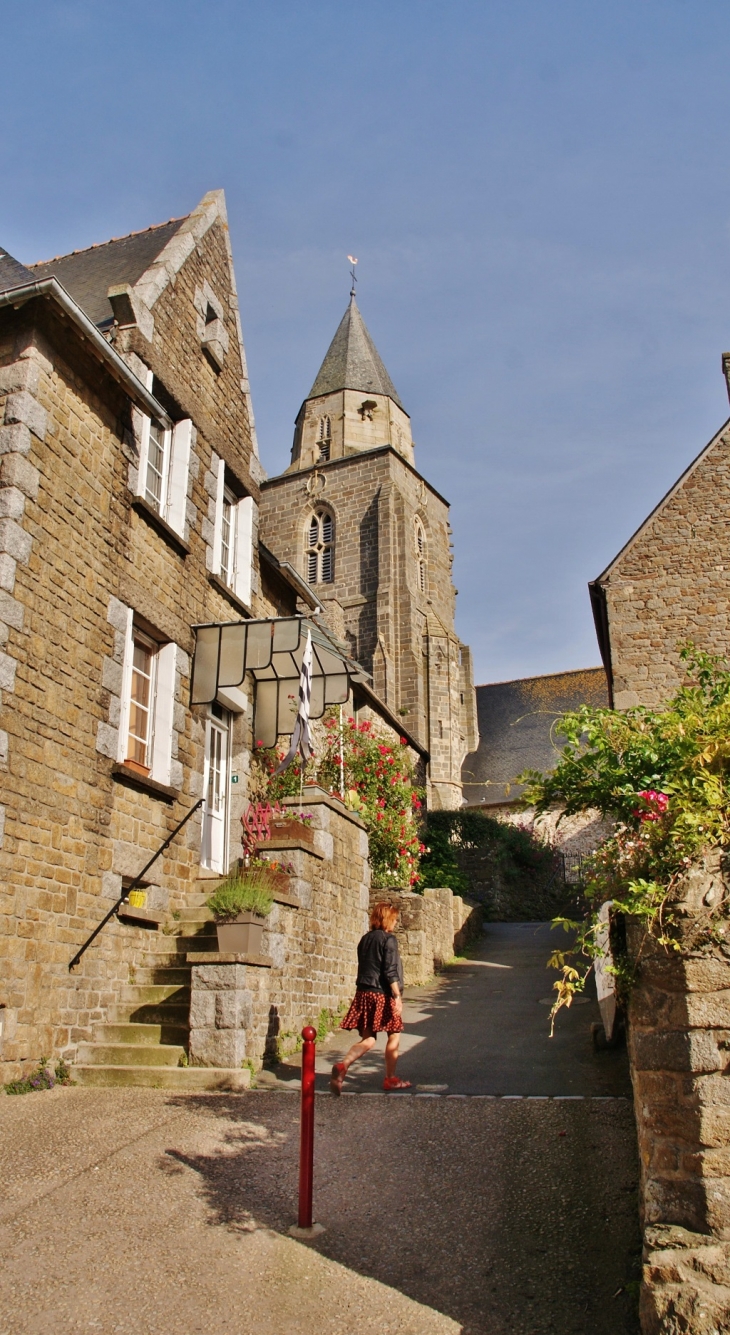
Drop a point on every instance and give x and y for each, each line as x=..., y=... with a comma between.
x=251, y=890
x=664, y=776
x=377, y=780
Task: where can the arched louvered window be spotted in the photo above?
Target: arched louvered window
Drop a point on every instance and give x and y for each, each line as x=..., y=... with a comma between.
x=419, y=535
x=320, y=553
x=324, y=438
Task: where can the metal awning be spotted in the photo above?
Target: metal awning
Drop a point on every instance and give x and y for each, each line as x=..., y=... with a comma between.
x=271, y=650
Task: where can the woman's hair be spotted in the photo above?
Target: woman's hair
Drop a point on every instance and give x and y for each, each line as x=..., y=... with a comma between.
x=383, y=916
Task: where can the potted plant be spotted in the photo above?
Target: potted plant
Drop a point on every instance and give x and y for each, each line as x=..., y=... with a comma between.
x=290, y=826
x=240, y=905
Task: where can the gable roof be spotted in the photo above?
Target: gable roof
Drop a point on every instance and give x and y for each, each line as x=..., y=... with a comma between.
x=88, y=274
x=515, y=720
x=12, y=272
x=353, y=361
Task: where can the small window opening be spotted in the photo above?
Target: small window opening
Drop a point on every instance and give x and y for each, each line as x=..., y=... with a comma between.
x=420, y=552
x=324, y=438
x=210, y=315
x=320, y=548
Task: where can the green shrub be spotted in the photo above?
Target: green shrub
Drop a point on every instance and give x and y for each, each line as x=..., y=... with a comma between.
x=249, y=891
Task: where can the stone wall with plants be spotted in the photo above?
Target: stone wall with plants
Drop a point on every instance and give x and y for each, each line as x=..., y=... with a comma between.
x=664, y=778
x=514, y=873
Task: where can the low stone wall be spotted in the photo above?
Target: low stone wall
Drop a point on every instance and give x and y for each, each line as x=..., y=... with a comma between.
x=242, y=1011
x=679, y=1038
x=433, y=926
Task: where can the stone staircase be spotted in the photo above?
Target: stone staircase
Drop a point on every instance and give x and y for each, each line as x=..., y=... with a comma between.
x=144, y=1039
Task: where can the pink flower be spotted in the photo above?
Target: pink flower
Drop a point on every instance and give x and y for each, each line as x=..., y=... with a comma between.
x=656, y=805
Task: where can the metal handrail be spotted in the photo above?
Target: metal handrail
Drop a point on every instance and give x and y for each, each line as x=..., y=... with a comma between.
x=126, y=893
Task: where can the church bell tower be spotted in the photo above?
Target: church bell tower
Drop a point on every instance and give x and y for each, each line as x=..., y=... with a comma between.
x=372, y=536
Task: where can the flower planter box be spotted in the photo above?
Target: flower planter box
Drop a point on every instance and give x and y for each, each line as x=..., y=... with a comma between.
x=242, y=936
x=291, y=831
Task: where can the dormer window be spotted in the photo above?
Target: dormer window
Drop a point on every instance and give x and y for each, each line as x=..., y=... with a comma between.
x=419, y=535
x=324, y=438
x=320, y=548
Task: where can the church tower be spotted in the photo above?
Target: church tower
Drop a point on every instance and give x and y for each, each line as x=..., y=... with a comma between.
x=354, y=516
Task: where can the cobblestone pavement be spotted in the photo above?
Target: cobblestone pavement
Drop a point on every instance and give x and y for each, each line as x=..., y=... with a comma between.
x=149, y=1213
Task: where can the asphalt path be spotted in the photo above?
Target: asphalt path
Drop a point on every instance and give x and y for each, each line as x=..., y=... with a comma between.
x=482, y=1028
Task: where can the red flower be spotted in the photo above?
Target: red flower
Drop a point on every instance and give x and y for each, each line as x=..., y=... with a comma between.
x=403, y=741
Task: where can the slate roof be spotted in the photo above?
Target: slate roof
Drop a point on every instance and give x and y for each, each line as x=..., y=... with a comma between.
x=353, y=361
x=515, y=721
x=12, y=273
x=88, y=274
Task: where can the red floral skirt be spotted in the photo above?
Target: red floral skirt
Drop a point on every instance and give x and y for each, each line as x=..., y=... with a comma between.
x=373, y=1011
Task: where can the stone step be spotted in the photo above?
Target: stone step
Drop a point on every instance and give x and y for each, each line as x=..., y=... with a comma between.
x=162, y=975
x=164, y=1077
x=154, y=994
x=206, y=941
x=147, y=1034
x=129, y=1054
x=164, y=1014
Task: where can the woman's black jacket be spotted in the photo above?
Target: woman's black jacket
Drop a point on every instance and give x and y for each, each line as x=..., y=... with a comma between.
x=379, y=963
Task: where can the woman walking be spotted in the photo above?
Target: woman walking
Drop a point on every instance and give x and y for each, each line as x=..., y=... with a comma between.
x=378, y=1003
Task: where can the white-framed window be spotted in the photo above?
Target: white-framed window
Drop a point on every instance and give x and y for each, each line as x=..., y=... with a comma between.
x=164, y=466
x=320, y=548
x=147, y=704
x=233, y=537
x=324, y=438
x=419, y=538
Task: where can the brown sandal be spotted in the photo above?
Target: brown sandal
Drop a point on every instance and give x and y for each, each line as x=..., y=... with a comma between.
x=339, y=1071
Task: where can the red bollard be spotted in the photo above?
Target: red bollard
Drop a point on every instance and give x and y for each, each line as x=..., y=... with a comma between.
x=306, y=1143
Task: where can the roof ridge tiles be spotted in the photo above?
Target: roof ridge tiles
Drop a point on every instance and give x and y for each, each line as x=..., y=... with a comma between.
x=97, y=245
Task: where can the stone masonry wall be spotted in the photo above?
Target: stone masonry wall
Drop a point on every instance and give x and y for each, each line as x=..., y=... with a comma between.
x=432, y=927
x=244, y=1011
x=673, y=583
x=679, y=1038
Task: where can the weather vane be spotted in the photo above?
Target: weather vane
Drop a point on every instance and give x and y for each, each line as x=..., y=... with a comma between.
x=353, y=275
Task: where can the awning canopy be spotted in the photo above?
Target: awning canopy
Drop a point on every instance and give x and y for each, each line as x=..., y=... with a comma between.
x=271, y=650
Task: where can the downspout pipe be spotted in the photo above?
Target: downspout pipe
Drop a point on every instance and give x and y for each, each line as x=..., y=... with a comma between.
x=51, y=289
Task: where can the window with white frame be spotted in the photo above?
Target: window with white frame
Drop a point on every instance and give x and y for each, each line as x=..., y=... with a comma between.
x=148, y=701
x=164, y=466
x=320, y=548
x=324, y=438
x=419, y=535
x=233, y=536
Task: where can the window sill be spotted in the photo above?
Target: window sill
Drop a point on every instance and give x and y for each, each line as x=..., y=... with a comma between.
x=228, y=593
x=125, y=774
x=156, y=521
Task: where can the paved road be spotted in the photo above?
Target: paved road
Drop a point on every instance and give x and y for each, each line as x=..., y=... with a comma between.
x=482, y=1028
x=148, y=1213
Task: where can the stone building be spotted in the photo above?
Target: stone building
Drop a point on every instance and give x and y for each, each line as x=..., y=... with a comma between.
x=355, y=517
x=670, y=583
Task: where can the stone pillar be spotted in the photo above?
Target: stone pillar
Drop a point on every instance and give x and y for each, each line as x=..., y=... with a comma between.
x=228, y=1000
x=679, y=1039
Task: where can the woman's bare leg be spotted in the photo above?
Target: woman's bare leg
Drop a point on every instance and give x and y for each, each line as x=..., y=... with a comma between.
x=365, y=1043
x=391, y=1054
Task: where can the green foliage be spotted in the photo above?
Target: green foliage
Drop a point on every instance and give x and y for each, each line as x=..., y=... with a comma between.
x=378, y=785
x=664, y=775
x=514, y=854
x=41, y=1078
x=251, y=890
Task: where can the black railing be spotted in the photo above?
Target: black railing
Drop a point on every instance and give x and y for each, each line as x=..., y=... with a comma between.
x=126, y=893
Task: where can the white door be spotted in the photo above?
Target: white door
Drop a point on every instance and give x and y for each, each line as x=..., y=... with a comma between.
x=217, y=782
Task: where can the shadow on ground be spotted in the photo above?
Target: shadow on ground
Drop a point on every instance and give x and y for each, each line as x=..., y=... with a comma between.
x=515, y=1217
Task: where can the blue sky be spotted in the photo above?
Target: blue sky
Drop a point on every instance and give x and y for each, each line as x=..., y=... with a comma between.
x=539, y=197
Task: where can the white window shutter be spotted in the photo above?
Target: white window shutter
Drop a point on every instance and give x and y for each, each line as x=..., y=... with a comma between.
x=141, y=428
x=126, y=686
x=177, y=492
x=164, y=706
x=220, y=486
x=244, y=549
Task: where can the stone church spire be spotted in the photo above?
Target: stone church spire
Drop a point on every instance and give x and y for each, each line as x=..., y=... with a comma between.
x=353, y=405
x=353, y=361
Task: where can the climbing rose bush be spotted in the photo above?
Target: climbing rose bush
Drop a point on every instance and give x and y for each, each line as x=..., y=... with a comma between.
x=664, y=776
x=378, y=786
